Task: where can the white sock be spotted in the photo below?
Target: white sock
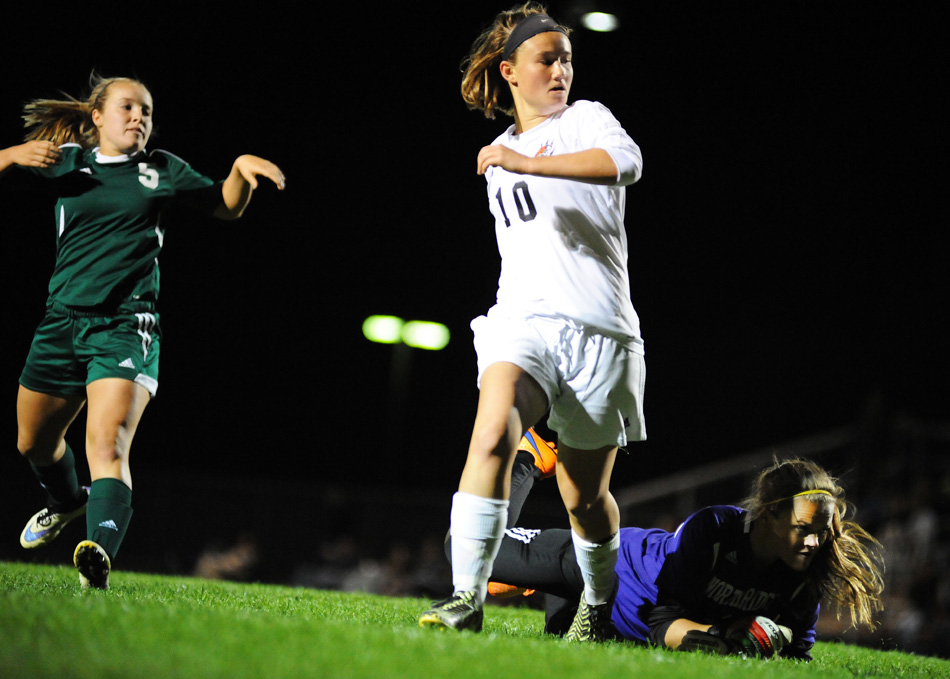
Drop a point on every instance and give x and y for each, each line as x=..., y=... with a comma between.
x=477, y=527
x=597, y=562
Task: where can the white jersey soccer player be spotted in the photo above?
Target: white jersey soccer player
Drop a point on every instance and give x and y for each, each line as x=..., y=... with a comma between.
x=563, y=337
x=563, y=244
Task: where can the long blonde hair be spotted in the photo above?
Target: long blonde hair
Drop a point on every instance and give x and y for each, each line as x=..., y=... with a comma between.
x=483, y=88
x=848, y=569
x=69, y=120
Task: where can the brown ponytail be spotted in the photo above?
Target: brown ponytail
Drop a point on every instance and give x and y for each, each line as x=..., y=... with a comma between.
x=483, y=88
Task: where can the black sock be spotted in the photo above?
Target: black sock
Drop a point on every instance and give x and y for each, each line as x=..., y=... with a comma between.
x=523, y=476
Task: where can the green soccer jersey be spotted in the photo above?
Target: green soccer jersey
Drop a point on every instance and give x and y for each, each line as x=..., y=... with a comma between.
x=108, y=231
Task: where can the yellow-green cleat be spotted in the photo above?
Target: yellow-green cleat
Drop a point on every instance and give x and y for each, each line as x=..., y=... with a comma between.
x=460, y=611
x=93, y=564
x=591, y=623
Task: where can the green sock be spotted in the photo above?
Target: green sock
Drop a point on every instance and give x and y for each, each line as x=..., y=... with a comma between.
x=108, y=514
x=60, y=482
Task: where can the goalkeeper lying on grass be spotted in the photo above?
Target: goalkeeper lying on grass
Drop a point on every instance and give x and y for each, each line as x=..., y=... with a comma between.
x=729, y=580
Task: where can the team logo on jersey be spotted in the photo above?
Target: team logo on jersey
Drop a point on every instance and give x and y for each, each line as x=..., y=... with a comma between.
x=547, y=149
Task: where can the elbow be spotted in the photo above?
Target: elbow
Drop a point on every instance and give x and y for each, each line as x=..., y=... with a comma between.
x=228, y=214
x=629, y=176
x=627, y=166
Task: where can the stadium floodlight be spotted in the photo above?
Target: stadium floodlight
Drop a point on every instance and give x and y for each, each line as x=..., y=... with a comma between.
x=602, y=22
x=416, y=334
x=425, y=335
x=383, y=329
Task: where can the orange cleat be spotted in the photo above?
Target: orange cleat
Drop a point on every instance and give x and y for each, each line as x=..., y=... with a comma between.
x=545, y=454
x=503, y=591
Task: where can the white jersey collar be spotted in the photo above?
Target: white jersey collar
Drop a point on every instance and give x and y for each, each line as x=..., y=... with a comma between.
x=108, y=160
x=512, y=130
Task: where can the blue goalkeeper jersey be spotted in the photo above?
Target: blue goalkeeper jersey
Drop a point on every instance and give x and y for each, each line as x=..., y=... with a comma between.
x=705, y=572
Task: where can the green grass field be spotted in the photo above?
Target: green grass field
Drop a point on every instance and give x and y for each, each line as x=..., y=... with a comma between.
x=157, y=627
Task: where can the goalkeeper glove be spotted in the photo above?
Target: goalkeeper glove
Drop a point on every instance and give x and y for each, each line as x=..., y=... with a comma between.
x=756, y=637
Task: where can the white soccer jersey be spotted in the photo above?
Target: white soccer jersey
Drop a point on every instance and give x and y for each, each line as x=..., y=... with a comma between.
x=563, y=244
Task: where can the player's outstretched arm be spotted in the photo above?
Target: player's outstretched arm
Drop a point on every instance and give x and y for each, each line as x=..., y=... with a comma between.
x=239, y=186
x=593, y=166
x=31, y=154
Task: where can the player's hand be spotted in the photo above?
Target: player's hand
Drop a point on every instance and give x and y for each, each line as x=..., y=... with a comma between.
x=503, y=157
x=756, y=637
x=33, y=154
x=697, y=640
x=252, y=167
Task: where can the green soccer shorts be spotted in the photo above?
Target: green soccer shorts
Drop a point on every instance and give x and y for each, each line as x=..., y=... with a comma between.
x=72, y=348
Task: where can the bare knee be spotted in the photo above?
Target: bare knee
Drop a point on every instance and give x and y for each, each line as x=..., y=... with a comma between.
x=26, y=446
x=42, y=421
x=496, y=437
x=106, y=455
x=103, y=450
x=39, y=452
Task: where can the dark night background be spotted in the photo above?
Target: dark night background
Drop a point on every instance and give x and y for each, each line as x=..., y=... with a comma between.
x=787, y=253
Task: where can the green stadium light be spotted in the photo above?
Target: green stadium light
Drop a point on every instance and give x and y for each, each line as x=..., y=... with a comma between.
x=425, y=335
x=383, y=329
x=416, y=334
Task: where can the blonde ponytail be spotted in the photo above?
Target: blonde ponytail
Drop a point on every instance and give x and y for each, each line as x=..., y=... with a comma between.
x=69, y=120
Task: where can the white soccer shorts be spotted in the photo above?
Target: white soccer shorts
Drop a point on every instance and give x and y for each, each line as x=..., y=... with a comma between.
x=594, y=384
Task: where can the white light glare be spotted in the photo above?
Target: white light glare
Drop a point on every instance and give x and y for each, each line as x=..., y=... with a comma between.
x=600, y=22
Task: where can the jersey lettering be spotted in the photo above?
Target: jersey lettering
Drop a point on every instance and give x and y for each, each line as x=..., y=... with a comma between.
x=523, y=203
x=745, y=600
x=501, y=205
x=148, y=176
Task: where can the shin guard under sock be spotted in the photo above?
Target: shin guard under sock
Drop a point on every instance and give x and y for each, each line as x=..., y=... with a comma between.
x=478, y=525
x=597, y=562
x=108, y=514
